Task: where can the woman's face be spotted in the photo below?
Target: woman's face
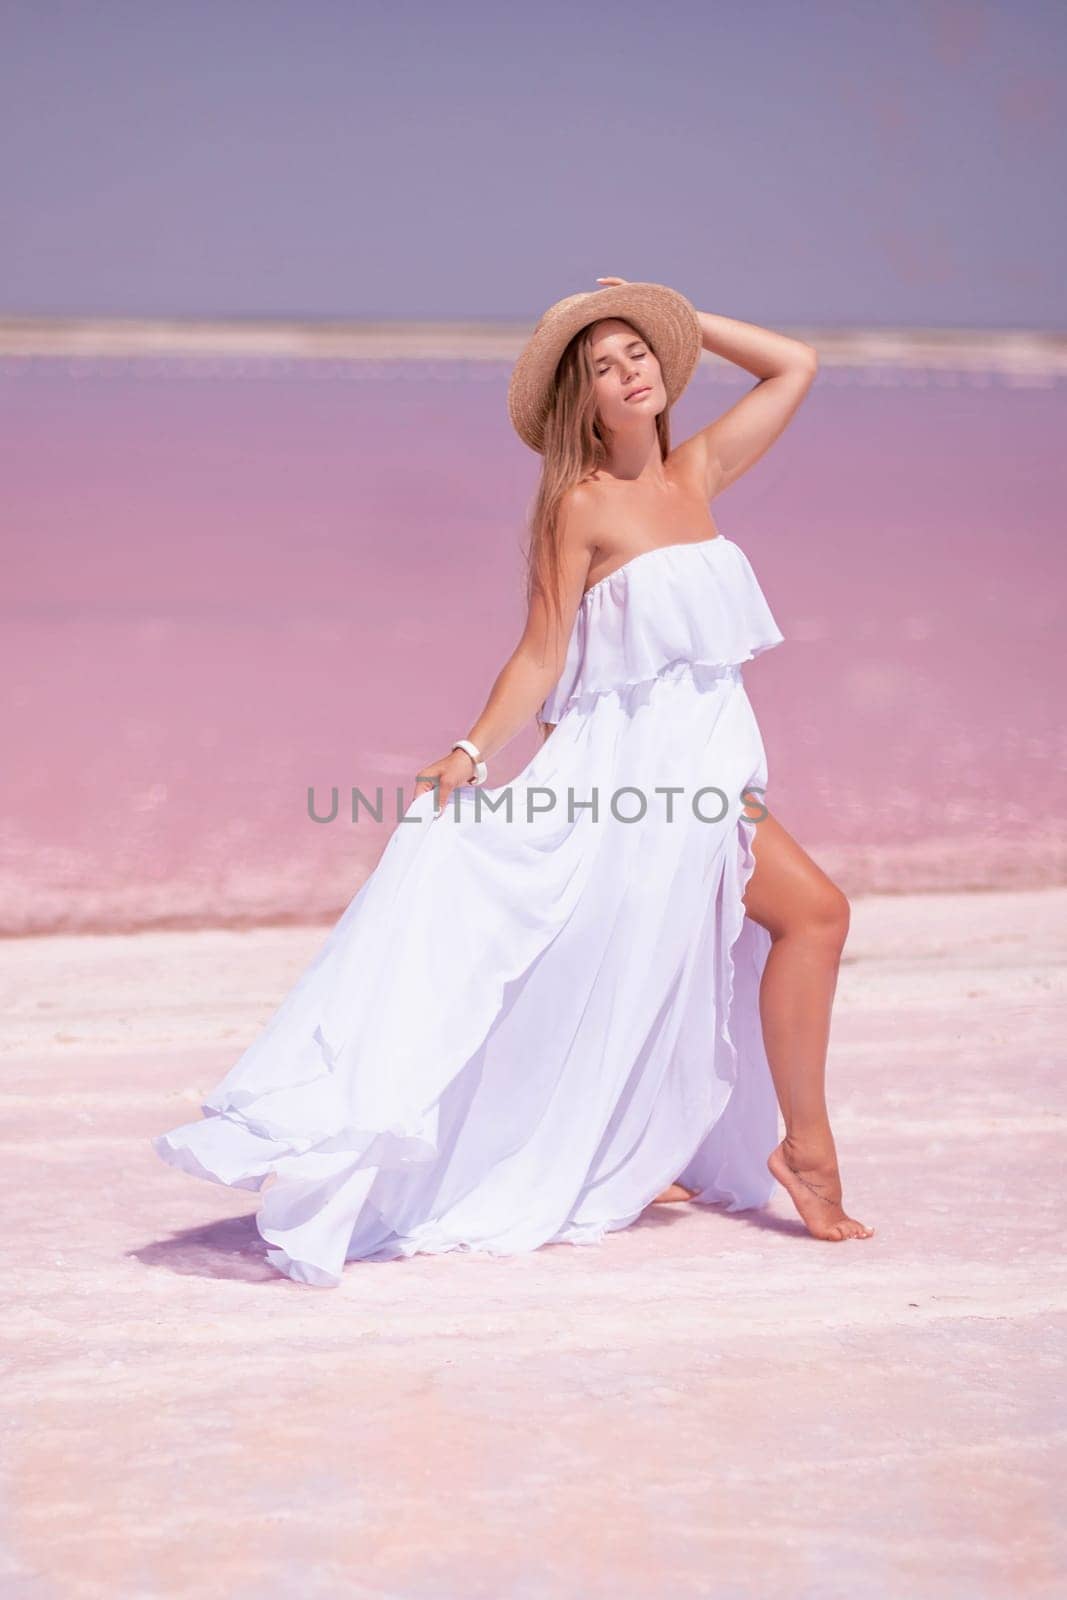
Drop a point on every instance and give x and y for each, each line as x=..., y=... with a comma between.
x=629, y=384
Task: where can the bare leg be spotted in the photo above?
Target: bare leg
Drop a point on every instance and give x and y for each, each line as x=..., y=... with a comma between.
x=807, y=917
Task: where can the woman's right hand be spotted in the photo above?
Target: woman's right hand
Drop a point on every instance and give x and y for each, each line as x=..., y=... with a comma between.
x=446, y=774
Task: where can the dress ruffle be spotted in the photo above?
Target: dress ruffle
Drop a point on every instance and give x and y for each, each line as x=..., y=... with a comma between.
x=698, y=602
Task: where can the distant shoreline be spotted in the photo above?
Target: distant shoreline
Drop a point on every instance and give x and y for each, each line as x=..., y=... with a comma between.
x=1019, y=351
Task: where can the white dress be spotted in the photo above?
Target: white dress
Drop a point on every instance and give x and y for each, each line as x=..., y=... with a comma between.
x=523, y=1028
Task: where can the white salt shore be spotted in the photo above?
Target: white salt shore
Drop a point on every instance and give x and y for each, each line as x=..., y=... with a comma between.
x=703, y=1405
x=1020, y=351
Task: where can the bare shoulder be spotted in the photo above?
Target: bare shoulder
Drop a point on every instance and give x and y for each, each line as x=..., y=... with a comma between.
x=580, y=515
x=576, y=541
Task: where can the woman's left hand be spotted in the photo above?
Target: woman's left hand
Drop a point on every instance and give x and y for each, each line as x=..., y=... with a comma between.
x=611, y=282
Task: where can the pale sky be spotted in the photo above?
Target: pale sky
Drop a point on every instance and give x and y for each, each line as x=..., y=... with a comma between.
x=832, y=164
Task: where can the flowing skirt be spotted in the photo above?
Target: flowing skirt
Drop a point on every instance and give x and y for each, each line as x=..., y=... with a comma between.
x=540, y=1008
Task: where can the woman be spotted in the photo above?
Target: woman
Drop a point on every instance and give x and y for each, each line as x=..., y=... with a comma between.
x=556, y=1002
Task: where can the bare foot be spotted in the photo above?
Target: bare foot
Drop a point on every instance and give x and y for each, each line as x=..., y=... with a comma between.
x=814, y=1186
x=676, y=1191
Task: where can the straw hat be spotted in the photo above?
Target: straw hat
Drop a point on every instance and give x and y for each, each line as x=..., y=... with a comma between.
x=662, y=316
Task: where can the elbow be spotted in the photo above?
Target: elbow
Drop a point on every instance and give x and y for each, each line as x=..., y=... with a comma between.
x=808, y=358
x=801, y=367
x=799, y=364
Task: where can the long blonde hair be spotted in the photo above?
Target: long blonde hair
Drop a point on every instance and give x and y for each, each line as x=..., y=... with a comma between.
x=576, y=444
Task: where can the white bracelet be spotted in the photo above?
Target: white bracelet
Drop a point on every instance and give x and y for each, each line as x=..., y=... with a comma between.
x=481, y=771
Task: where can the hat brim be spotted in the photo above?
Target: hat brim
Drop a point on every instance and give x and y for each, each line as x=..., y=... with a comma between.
x=661, y=315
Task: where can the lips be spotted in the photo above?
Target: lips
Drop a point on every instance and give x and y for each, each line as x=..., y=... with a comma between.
x=637, y=393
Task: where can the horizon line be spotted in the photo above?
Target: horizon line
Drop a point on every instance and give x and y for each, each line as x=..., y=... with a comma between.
x=1009, y=349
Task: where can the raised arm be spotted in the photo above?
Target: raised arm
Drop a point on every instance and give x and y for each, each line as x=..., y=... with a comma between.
x=720, y=452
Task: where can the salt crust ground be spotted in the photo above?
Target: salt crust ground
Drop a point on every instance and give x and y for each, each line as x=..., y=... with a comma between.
x=705, y=1405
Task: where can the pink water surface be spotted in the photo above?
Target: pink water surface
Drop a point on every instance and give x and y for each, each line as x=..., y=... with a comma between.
x=225, y=582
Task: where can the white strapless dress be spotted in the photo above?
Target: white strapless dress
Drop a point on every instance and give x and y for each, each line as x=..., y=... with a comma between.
x=525, y=1026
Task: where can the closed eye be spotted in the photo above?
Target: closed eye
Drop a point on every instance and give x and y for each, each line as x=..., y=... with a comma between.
x=600, y=371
